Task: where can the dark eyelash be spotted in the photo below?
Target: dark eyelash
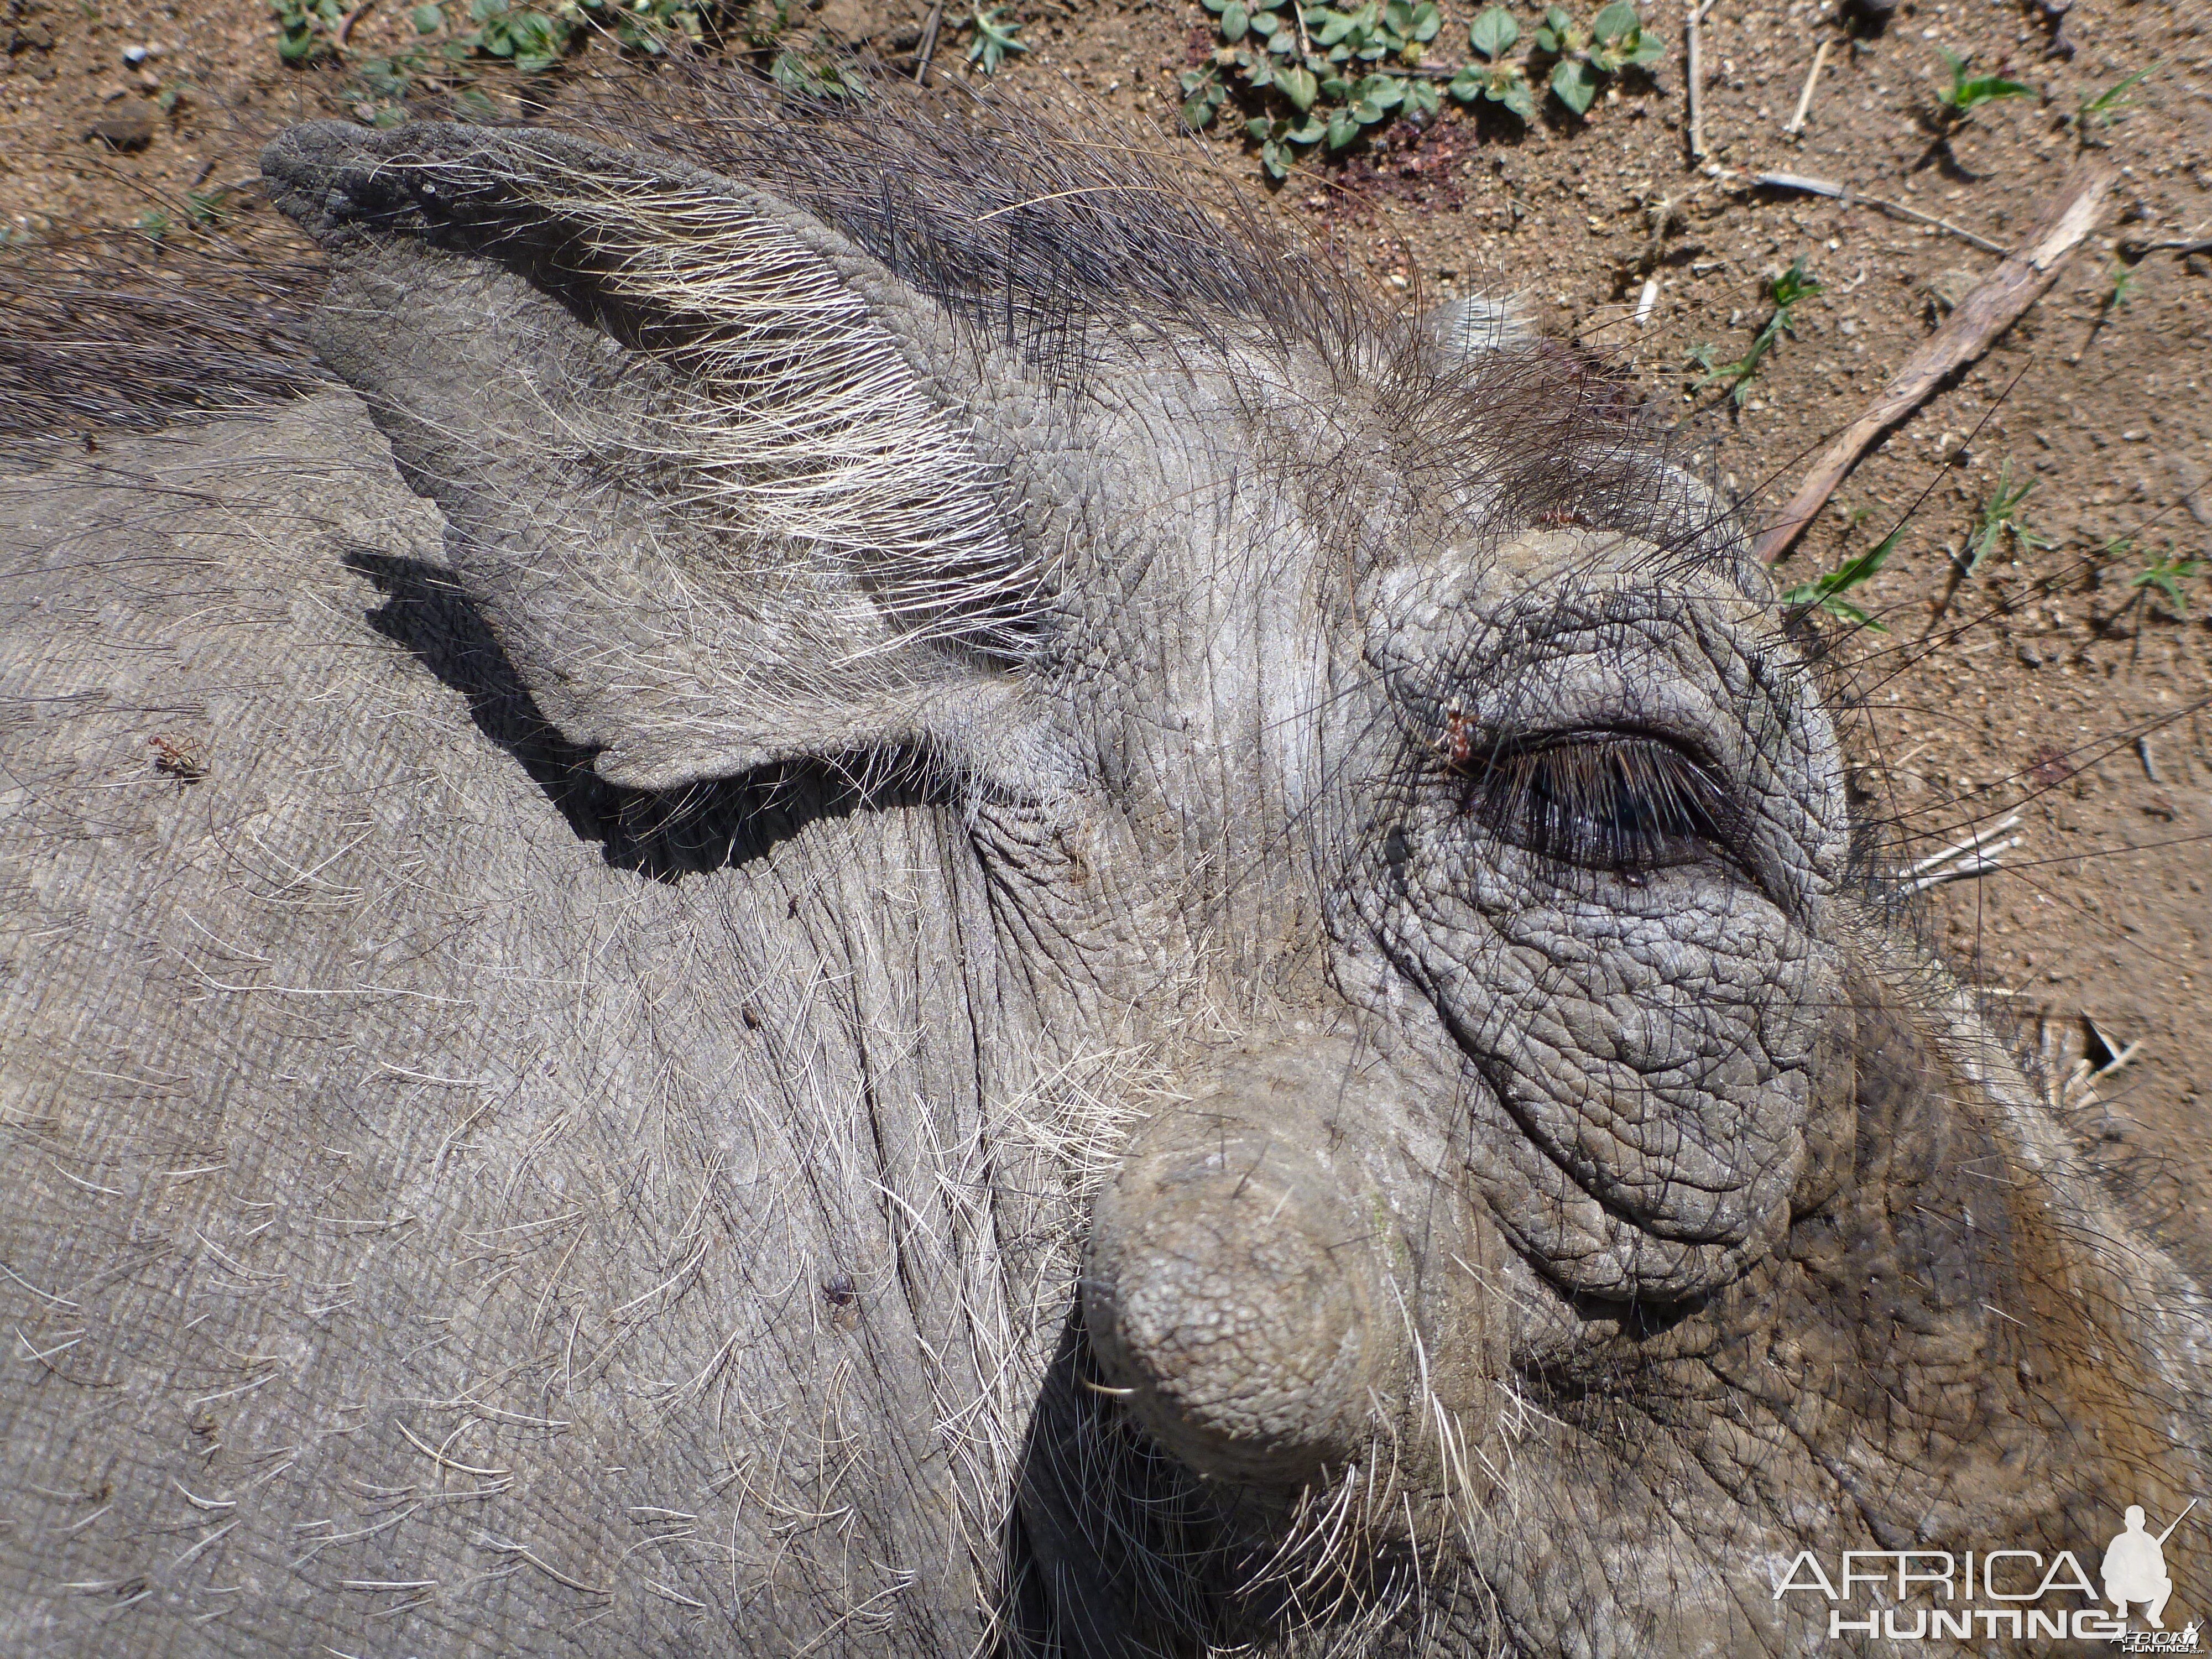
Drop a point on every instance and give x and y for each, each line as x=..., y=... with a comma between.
x=1601, y=802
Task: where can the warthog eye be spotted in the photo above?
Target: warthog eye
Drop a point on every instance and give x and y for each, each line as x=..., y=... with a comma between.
x=1600, y=800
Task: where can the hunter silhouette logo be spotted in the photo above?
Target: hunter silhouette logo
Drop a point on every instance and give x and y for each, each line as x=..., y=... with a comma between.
x=1935, y=1595
x=2135, y=1567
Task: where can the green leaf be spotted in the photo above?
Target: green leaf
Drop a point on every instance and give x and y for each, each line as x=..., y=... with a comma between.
x=2111, y=98
x=1264, y=24
x=1616, y=22
x=2167, y=575
x=1311, y=130
x=1494, y=34
x=1198, y=114
x=1648, y=52
x=1258, y=128
x=1852, y=571
x=1234, y=20
x=1557, y=20
x=1334, y=26
x=1275, y=160
x=1342, y=129
x=1298, y=85
x=1827, y=591
x=1421, y=97
x=1519, y=98
x=427, y=20
x=1963, y=94
x=1469, y=84
x=1792, y=285
x=994, y=40
x=1427, y=20
x=1982, y=89
x=1574, y=83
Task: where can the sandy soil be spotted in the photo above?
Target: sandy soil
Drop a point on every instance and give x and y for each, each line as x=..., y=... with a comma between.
x=2045, y=685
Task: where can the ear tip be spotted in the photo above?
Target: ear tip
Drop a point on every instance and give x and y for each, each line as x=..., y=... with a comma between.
x=330, y=176
x=315, y=172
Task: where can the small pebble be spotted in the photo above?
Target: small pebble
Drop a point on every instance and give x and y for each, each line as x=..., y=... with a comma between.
x=132, y=131
x=134, y=56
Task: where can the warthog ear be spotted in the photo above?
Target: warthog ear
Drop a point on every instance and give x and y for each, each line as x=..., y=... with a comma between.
x=698, y=474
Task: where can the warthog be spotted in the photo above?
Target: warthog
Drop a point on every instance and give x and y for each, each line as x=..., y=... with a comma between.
x=886, y=896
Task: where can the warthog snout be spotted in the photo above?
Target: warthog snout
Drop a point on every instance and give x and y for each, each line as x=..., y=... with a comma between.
x=1243, y=1279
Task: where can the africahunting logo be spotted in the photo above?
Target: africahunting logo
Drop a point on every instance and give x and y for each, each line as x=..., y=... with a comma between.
x=1935, y=1595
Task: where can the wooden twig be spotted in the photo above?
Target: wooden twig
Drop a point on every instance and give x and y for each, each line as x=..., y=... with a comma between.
x=2183, y=245
x=346, y=23
x=1993, y=306
x=1805, y=98
x=1696, y=78
x=1850, y=197
x=929, y=42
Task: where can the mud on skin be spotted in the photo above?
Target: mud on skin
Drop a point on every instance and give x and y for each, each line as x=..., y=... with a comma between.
x=1251, y=878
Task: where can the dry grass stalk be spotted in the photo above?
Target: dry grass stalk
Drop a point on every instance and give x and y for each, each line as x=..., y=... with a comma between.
x=1805, y=98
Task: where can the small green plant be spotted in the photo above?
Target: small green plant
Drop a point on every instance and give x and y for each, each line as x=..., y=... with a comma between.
x=1999, y=517
x=1614, y=40
x=2165, y=576
x=307, y=30
x=2123, y=289
x=1281, y=139
x=995, y=41
x=1967, y=92
x=154, y=226
x=535, y=36
x=207, y=209
x=1355, y=65
x=1825, y=591
x=2097, y=114
x=1309, y=74
x=1787, y=291
x=532, y=40
x=795, y=64
x=1492, y=36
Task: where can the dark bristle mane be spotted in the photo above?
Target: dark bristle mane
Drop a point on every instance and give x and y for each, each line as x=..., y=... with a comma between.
x=92, y=341
x=996, y=208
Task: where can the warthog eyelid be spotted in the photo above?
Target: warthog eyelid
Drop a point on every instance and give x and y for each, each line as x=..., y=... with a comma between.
x=1622, y=802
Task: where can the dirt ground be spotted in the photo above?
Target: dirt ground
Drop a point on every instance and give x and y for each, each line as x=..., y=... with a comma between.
x=2045, y=685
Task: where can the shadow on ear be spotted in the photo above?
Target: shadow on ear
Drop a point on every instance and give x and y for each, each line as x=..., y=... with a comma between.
x=701, y=827
x=716, y=520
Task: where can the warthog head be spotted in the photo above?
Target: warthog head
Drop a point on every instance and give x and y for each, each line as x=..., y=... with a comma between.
x=1355, y=710
x=1543, y=1195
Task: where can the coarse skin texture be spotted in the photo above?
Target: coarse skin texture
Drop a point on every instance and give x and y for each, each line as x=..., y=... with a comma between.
x=896, y=900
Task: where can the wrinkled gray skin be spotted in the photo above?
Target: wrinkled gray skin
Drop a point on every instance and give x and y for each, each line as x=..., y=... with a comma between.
x=1058, y=1122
